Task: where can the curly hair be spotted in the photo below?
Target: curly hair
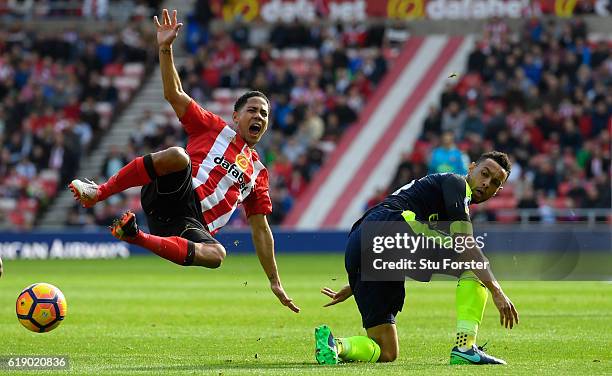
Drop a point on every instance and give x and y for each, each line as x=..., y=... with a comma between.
x=499, y=157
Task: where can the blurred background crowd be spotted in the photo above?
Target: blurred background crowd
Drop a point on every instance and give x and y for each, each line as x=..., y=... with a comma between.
x=58, y=95
x=543, y=95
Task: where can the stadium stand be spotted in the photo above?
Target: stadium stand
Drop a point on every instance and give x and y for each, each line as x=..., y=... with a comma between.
x=30, y=10
x=58, y=95
x=544, y=97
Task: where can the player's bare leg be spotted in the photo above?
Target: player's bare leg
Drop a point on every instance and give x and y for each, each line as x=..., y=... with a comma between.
x=385, y=335
x=208, y=255
x=139, y=172
x=170, y=160
x=173, y=248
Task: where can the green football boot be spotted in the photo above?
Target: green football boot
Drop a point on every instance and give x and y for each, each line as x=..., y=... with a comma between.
x=325, y=347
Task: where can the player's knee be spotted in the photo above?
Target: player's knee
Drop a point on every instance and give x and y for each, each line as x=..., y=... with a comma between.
x=178, y=157
x=388, y=352
x=219, y=255
x=215, y=254
x=170, y=160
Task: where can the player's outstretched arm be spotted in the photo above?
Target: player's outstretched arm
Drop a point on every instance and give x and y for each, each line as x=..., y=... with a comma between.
x=508, y=315
x=264, y=247
x=173, y=90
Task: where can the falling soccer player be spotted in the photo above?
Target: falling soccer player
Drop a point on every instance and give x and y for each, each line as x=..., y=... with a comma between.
x=434, y=198
x=188, y=194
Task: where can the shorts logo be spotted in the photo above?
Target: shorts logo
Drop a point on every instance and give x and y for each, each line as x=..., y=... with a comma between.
x=242, y=161
x=433, y=220
x=233, y=170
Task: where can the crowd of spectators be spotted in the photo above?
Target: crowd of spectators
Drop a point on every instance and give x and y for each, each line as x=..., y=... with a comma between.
x=119, y=10
x=317, y=79
x=542, y=95
x=58, y=92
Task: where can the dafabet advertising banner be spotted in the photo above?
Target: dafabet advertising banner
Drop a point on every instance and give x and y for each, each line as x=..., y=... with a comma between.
x=357, y=10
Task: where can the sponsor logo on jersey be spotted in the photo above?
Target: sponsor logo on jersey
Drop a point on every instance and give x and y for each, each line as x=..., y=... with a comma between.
x=242, y=161
x=433, y=220
x=234, y=170
x=466, y=203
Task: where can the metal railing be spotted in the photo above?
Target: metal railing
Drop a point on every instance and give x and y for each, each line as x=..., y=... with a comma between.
x=554, y=215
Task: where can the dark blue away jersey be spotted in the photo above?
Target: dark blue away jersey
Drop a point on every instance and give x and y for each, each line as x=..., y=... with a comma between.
x=436, y=197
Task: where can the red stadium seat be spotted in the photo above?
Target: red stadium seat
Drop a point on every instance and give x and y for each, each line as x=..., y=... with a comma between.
x=499, y=202
x=562, y=203
x=508, y=191
x=113, y=70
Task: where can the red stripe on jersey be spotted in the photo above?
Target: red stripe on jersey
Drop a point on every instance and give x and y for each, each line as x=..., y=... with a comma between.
x=219, y=172
x=259, y=202
x=198, y=148
x=223, y=207
x=201, y=192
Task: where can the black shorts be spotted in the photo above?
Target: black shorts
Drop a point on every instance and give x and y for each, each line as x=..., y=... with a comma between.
x=173, y=209
x=380, y=301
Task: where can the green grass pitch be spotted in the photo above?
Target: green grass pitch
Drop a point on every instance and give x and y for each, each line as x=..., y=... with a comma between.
x=145, y=315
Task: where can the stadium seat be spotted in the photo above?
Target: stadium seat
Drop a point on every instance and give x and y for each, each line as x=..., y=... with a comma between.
x=134, y=70
x=113, y=70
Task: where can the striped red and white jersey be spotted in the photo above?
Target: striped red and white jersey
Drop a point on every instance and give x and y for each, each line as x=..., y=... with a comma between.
x=225, y=170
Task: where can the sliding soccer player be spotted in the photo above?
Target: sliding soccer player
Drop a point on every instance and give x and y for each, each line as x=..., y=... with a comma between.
x=418, y=206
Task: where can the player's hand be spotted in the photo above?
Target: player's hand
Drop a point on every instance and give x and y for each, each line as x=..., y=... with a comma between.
x=168, y=29
x=280, y=293
x=337, y=297
x=508, y=315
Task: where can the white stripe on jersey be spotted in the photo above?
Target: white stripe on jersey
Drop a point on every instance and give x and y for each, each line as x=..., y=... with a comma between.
x=222, y=220
x=214, y=198
x=220, y=190
x=257, y=168
x=221, y=143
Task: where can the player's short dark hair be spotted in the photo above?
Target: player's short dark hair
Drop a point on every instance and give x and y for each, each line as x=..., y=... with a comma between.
x=499, y=157
x=245, y=97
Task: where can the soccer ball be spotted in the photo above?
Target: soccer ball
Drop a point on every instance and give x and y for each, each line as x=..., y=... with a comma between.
x=41, y=307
